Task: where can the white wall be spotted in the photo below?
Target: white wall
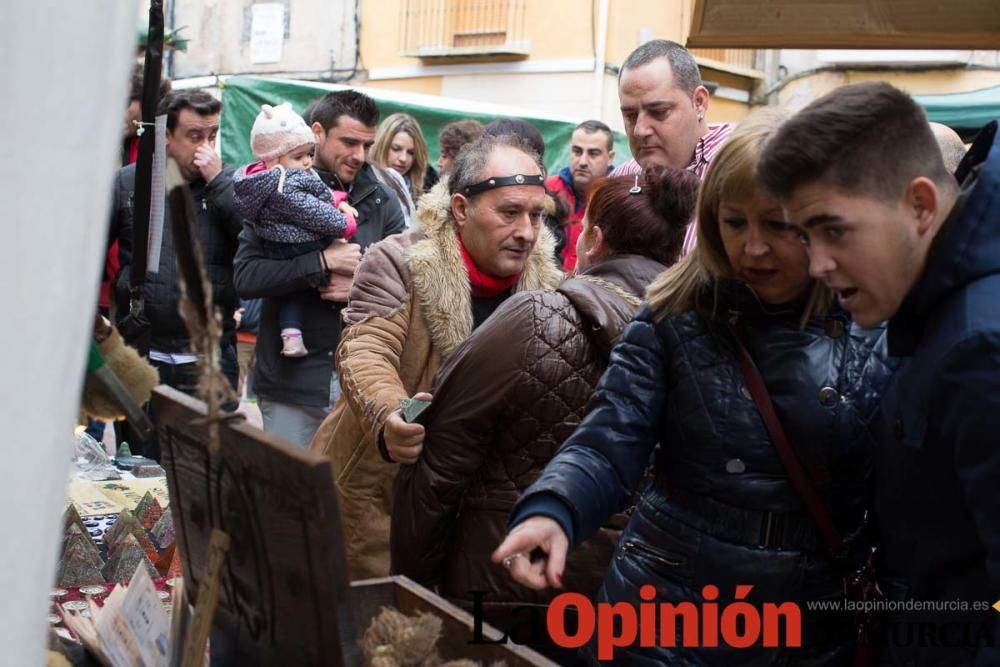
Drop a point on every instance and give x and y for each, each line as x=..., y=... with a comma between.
x=320, y=36
x=62, y=118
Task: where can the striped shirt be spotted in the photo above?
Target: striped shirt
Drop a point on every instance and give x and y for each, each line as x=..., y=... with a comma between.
x=704, y=151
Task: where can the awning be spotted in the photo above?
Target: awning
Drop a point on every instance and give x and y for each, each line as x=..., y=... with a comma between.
x=970, y=110
x=243, y=95
x=846, y=24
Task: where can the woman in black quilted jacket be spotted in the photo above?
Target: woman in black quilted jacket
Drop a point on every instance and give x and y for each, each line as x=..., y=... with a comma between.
x=509, y=396
x=721, y=514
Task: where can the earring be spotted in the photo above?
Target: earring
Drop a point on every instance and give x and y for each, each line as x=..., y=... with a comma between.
x=635, y=189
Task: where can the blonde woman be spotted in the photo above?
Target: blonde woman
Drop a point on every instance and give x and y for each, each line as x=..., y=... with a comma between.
x=400, y=146
x=721, y=511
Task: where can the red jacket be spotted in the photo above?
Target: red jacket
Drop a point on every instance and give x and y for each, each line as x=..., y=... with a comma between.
x=561, y=184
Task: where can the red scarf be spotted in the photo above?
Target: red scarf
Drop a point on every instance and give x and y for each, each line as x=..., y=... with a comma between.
x=484, y=286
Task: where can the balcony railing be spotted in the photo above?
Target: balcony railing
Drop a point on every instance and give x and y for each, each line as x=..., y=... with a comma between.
x=739, y=58
x=443, y=28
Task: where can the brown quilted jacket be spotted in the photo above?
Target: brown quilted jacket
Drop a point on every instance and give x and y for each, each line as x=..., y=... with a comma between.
x=503, y=404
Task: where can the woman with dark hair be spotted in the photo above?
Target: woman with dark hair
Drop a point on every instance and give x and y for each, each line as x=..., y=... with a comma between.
x=510, y=395
x=725, y=516
x=452, y=138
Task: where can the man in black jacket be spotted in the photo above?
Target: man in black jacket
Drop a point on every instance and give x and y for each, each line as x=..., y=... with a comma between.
x=192, y=127
x=295, y=393
x=899, y=237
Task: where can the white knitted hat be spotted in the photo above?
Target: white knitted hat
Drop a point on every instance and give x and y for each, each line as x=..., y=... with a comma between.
x=277, y=131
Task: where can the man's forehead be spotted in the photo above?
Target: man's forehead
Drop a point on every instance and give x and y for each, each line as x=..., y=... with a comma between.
x=597, y=139
x=352, y=127
x=522, y=196
x=816, y=196
x=189, y=120
x=509, y=161
x=655, y=75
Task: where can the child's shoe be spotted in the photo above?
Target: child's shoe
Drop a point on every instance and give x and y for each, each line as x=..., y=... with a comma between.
x=291, y=343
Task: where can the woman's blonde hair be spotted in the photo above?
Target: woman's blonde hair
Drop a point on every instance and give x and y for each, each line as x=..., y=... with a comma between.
x=732, y=175
x=387, y=131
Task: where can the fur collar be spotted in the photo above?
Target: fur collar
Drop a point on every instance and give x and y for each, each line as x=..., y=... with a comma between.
x=440, y=280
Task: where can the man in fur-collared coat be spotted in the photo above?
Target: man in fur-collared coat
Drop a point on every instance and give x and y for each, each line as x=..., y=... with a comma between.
x=415, y=298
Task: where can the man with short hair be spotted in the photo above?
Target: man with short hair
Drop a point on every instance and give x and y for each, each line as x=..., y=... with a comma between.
x=415, y=298
x=898, y=238
x=663, y=103
x=192, y=129
x=452, y=138
x=295, y=394
x=592, y=147
x=951, y=145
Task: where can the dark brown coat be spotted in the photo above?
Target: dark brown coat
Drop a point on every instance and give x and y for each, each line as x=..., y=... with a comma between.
x=503, y=404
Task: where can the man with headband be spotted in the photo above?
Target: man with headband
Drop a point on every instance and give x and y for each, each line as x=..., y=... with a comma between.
x=416, y=296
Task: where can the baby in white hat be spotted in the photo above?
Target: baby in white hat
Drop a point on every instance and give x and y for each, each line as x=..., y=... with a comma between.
x=288, y=206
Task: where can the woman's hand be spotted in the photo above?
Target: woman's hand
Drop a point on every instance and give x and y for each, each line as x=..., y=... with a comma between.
x=538, y=535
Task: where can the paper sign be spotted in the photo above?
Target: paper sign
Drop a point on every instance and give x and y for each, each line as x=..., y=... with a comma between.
x=110, y=497
x=89, y=500
x=267, y=32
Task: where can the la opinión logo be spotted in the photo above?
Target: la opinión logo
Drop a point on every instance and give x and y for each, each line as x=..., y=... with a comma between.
x=649, y=624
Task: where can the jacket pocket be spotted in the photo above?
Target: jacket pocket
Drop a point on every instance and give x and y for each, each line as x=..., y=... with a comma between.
x=649, y=554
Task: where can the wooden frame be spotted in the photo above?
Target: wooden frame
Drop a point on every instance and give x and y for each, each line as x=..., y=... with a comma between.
x=845, y=24
x=284, y=592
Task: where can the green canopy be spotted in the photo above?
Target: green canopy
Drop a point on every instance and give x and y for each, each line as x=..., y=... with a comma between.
x=967, y=111
x=242, y=97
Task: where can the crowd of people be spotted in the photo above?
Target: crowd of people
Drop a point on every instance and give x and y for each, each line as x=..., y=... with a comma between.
x=759, y=354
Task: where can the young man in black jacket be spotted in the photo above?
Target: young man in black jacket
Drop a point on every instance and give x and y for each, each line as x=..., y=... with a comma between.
x=294, y=394
x=898, y=237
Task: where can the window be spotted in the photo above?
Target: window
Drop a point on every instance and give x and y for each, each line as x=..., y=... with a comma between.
x=448, y=28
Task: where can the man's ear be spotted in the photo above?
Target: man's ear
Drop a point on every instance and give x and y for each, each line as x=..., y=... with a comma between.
x=923, y=199
x=460, y=209
x=700, y=100
x=318, y=131
x=611, y=155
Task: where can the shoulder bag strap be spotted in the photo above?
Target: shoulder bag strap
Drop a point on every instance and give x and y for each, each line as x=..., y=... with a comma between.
x=797, y=475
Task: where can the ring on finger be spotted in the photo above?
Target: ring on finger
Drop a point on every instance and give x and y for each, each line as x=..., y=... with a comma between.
x=509, y=560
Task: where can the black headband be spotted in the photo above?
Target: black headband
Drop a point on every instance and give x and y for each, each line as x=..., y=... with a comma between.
x=501, y=181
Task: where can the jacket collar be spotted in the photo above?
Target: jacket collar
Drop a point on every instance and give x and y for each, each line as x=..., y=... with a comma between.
x=439, y=277
x=966, y=248
x=365, y=182
x=632, y=273
x=601, y=294
x=733, y=297
x=567, y=177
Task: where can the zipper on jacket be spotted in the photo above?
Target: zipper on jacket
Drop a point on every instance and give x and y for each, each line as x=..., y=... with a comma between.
x=646, y=551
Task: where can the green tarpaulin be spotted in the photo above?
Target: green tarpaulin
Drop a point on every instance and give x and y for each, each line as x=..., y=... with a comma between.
x=966, y=111
x=242, y=97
